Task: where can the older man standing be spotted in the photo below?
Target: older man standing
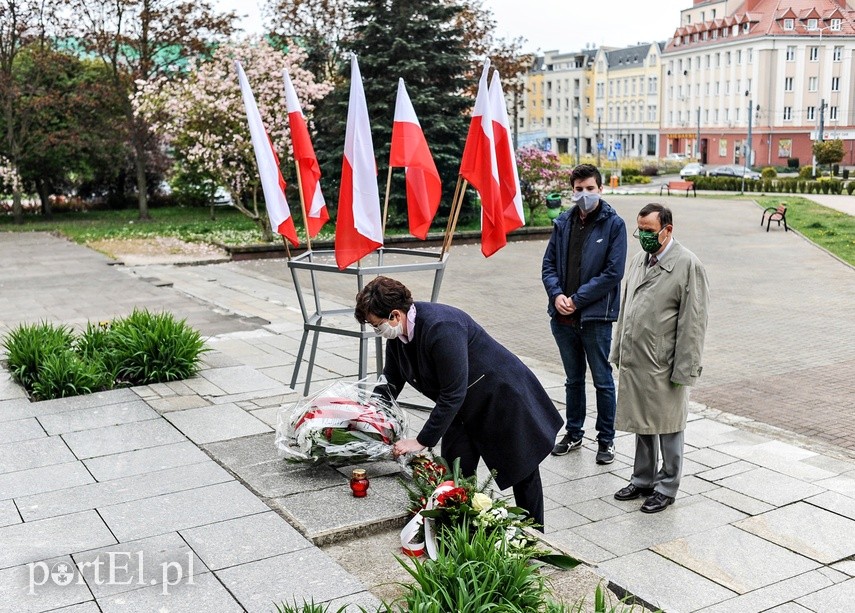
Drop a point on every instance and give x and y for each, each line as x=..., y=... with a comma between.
x=658, y=345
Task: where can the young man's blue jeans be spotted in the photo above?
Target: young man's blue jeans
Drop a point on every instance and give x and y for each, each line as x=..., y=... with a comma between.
x=591, y=340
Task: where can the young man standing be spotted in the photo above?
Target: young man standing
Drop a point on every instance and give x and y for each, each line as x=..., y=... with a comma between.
x=582, y=270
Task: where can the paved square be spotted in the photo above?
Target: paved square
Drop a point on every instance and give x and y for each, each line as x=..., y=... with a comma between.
x=216, y=423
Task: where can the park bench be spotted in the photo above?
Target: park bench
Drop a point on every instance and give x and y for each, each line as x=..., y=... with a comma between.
x=771, y=214
x=679, y=185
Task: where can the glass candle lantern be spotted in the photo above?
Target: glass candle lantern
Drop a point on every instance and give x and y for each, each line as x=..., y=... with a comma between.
x=359, y=483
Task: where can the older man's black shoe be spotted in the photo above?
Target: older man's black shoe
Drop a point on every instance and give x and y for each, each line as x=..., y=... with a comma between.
x=632, y=491
x=657, y=502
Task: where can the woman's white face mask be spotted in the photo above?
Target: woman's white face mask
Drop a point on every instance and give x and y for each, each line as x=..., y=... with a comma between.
x=390, y=332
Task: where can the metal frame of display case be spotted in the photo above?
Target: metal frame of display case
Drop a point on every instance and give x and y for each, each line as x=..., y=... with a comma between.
x=313, y=321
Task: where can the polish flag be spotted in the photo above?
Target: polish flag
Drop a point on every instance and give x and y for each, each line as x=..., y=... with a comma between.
x=479, y=168
x=358, y=230
x=410, y=150
x=272, y=183
x=509, y=179
x=307, y=161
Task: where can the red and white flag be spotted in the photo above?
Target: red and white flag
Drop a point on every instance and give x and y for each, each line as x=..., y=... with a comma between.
x=509, y=179
x=272, y=183
x=479, y=168
x=358, y=230
x=410, y=150
x=306, y=160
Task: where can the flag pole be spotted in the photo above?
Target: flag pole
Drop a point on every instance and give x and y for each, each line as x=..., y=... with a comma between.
x=287, y=248
x=303, y=206
x=450, y=215
x=386, y=201
x=447, y=245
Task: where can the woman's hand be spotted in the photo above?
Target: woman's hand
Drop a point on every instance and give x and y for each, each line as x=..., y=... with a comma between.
x=406, y=445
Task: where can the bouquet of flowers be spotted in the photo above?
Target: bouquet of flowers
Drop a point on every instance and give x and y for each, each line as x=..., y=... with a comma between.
x=441, y=498
x=344, y=423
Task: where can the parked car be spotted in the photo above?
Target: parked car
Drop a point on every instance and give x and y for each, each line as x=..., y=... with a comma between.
x=733, y=170
x=676, y=157
x=693, y=170
x=222, y=197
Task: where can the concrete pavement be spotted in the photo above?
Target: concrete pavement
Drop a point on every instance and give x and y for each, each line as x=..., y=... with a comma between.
x=185, y=472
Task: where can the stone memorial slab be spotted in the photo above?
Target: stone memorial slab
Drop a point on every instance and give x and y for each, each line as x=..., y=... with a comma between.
x=130, y=463
x=835, y=598
x=586, y=488
x=247, y=451
x=180, y=510
x=125, y=437
x=776, y=594
x=158, y=560
x=245, y=539
x=813, y=532
x=49, y=538
x=205, y=593
x=19, y=596
x=319, y=578
x=34, y=453
x=238, y=379
x=20, y=430
x=216, y=423
x=44, y=479
x=769, y=486
x=106, y=493
x=662, y=583
x=632, y=532
x=720, y=555
x=97, y=417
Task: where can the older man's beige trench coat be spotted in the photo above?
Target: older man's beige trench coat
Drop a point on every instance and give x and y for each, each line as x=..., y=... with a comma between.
x=659, y=341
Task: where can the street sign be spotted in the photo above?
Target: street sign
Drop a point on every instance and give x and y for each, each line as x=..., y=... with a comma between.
x=617, y=146
x=612, y=156
x=601, y=146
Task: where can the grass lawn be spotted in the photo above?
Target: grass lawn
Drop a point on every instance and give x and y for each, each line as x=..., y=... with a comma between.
x=830, y=229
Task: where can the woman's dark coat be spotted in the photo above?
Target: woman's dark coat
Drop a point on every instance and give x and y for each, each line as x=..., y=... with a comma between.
x=475, y=381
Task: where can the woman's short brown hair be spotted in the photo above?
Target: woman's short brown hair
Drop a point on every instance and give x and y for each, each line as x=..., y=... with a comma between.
x=380, y=297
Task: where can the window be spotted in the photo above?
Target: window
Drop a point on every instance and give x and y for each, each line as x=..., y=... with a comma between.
x=717, y=88
x=653, y=60
x=788, y=113
x=791, y=53
x=812, y=82
x=671, y=118
x=811, y=113
x=788, y=84
x=697, y=62
x=835, y=84
x=705, y=35
x=713, y=14
x=717, y=60
x=832, y=113
x=837, y=54
x=735, y=29
x=811, y=24
x=716, y=116
x=727, y=115
x=739, y=56
x=706, y=116
x=750, y=54
x=725, y=32
x=789, y=24
x=737, y=114
x=749, y=84
x=727, y=87
x=746, y=27
x=813, y=54
x=707, y=88
x=549, y=122
x=727, y=59
x=835, y=24
x=715, y=34
x=706, y=61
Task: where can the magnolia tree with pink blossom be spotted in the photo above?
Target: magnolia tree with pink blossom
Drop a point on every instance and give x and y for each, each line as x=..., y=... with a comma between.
x=10, y=181
x=541, y=173
x=203, y=118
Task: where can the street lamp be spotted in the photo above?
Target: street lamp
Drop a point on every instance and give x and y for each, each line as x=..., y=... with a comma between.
x=821, y=124
x=577, y=112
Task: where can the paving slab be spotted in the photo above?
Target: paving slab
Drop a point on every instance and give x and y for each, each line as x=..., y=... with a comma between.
x=586, y=488
x=9, y=513
x=125, y=437
x=151, y=459
x=832, y=599
x=790, y=607
x=581, y=548
x=813, y=532
x=664, y=584
x=727, y=470
x=278, y=478
x=779, y=456
x=96, y=417
x=34, y=453
x=117, y=491
x=633, y=532
x=719, y=555
x=843, y=484
x=20, y=430
x=177, y=403
x=304, y=574
x=75, y=403
x=205, y=593
x=49, y=538
x=17, y=595
x=180, y=510
x=596, y=510
x=834, y=502
x=245, y=539
x=44, y=479
x=706, y=433
x=710, y=457
x=769, y=486
x=216, y=423
x=578, y=464
x=238, y=379
x=740, y=502
x=158, y=561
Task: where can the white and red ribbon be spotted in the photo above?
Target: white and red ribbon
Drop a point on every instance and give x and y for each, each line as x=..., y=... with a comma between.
x=413, y=548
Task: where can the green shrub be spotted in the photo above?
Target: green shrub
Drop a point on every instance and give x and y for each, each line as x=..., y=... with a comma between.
x=630, y=172
x=850, y=187
x=806, y=172
x=27, y=346
x=768, y=173
x=309, y=607
x=650, y=170
x=63, y=373
x=155, y=347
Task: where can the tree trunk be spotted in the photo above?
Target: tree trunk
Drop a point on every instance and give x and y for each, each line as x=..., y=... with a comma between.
x=142, y=194
x=17, y=207
x=263, y=220
x=44, y=197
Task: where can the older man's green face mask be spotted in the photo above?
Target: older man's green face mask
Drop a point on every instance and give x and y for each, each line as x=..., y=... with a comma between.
x=649, y=240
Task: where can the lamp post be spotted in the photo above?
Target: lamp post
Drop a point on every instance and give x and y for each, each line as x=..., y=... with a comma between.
x=747, y=157
x=578, y=113
x=820, y=127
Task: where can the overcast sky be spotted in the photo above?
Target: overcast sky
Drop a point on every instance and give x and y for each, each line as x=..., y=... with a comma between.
x=564, y=25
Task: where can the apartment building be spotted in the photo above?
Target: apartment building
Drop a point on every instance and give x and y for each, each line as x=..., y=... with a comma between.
x=784, y=66
x=625, y=107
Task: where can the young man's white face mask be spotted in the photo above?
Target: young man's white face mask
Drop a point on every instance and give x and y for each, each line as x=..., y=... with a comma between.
x=390, y=332
x=587, y=201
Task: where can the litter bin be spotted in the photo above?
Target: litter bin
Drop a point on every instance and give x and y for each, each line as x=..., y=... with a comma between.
x=613, y=182
x=553, y=205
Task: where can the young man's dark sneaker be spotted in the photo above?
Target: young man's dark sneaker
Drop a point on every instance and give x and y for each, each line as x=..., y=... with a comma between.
x=605, y=453
x=566, y=445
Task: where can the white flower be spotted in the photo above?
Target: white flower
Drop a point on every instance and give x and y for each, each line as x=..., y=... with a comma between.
x=481, y=502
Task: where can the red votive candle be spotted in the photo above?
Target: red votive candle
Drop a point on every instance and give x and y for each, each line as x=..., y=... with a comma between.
x=359, y=483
